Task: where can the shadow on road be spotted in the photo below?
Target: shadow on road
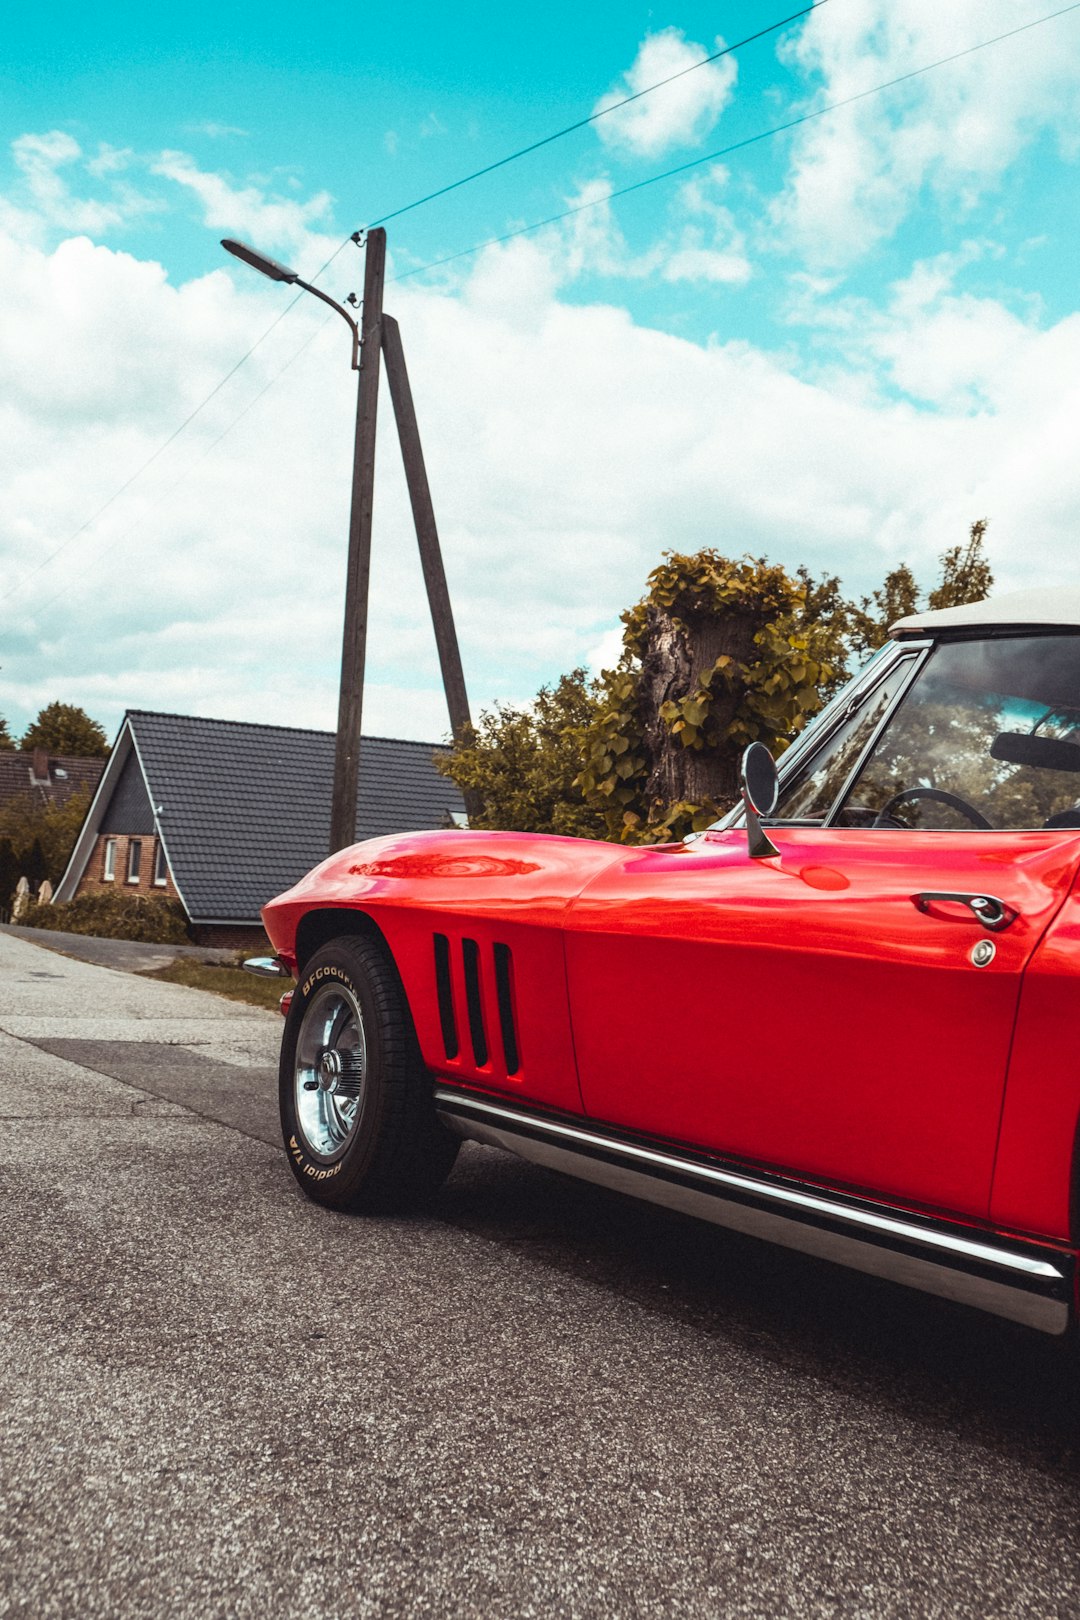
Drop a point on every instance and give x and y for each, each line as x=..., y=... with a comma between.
x=944, y=1365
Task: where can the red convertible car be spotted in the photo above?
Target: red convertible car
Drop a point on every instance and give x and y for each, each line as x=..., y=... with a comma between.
x=842, y=1019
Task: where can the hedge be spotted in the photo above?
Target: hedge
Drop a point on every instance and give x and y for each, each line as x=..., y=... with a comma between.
x=113, y=916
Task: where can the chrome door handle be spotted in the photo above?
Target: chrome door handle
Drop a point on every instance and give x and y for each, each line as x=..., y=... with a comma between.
x=987, y=909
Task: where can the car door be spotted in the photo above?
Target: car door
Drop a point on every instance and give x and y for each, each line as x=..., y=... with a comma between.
x=826, y=1011
x=815, y=1013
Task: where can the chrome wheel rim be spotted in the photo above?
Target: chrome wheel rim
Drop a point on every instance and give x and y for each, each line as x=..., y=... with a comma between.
x=330, y=1077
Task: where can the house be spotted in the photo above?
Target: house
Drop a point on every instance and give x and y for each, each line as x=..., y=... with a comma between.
x=45, y=778
x=224, y=815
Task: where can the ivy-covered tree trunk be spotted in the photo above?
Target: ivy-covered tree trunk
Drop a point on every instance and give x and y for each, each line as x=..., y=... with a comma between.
x=719, y=653
x=682, y=645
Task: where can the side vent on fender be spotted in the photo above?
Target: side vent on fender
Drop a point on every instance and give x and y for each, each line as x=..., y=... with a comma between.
x=470, y=952
x=507, y=1021
x=445, y=992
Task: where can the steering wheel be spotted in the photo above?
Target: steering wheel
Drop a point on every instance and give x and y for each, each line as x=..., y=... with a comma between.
x=953, y=800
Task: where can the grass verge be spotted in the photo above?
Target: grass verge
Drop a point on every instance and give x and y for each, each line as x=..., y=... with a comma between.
x=223, y=981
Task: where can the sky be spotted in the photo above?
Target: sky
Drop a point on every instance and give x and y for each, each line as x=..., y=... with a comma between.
x=835, y=346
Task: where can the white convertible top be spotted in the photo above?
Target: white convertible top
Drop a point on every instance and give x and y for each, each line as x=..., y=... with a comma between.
x=1044, y=606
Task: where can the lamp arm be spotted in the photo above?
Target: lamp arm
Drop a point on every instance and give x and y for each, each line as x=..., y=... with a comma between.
x=353, y=327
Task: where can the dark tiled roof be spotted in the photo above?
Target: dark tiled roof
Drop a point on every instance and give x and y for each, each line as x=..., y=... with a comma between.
x=244, y=810
x=68, y=774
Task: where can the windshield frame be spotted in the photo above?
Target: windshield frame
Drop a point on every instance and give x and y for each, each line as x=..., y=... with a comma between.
x=821, y=729
x=973, y=633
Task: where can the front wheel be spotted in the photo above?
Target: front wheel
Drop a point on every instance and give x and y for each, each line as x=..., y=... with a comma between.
x=357, y=1113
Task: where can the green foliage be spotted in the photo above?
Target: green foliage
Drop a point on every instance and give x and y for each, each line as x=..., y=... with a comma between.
x=719, y=653
x=35, y=868
x=63, y=728
x=113, y=916
x=521, y=762
x=53, y=828
x=10, y=873
x=869, y=622
x=966, y=575
x=612, y=764
x=763, y=687
x=6, y=739
x=827, y=619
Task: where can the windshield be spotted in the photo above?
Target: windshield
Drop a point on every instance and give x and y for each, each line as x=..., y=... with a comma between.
x=987, y=736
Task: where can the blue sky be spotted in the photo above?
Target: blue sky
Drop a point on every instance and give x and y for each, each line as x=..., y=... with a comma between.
x=836, y=347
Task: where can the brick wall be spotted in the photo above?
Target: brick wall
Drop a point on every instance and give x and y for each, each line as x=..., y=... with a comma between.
x=94, y=880
x=252, y=941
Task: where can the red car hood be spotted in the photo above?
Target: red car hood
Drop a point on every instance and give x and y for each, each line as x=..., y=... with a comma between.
x=536, y=875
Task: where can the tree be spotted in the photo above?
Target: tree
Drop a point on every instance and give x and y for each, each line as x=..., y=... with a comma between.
x=871, y=620
x=716, y=655
x=6, y=739
x=25, y=821
x=63, y=728
x=966, y=575
x=35, y=869
x=10, y=872
x=719, y=653
x=521, y=762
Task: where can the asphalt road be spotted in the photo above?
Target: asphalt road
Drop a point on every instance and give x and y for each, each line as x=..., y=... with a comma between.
x=542, y=1400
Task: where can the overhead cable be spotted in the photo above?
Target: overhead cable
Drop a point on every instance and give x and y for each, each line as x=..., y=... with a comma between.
x=396, y=213
x=175, y=434
x=594, y=117
x=73, y=580
x=735, y=146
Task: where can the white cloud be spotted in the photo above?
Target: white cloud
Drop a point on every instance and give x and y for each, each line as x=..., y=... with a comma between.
x=679, y=114
x=567, y=447
x=268, y=221
x=607, y=652
x=950, y=134
x=40, y=160
x=216, y=131
x=939, y=345
x=109, y=160
x=715, y=252
x=591, y=242
x=695, y=262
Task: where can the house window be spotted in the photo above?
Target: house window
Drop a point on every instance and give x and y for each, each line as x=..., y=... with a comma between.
x=134, y=860
x=109, y=869
x=161, y=866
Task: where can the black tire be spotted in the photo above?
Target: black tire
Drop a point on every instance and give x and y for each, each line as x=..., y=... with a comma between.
x=364, y=1135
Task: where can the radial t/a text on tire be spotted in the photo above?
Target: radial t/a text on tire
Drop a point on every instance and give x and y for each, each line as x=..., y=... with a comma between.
x=357, y=1114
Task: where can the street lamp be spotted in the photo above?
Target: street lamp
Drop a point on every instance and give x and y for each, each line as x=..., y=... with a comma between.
x=366, y=351
x=281, y=272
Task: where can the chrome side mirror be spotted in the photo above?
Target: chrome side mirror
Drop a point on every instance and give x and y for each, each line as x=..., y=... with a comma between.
x=760, y=790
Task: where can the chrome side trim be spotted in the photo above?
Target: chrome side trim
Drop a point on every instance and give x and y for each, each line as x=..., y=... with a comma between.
x=1005, y=1281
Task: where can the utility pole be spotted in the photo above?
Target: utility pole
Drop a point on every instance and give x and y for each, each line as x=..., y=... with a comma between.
x=354, y=641
x=427, y=534
x=377, y=334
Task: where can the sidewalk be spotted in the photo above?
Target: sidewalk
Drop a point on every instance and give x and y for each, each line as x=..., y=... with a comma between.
x=127, y=955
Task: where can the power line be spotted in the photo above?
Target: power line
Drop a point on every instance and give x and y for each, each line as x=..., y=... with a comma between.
x=552, y=219
x=175, y=434
x=594, y=117
x=736, y=146
x=189, y=469
x=396, y=213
